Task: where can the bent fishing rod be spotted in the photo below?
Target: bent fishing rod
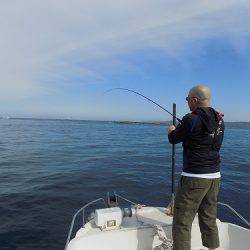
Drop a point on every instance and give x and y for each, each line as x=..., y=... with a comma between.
x=148, y=99
x=171, y=205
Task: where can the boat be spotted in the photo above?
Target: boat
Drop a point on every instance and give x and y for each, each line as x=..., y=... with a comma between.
x=140, y=227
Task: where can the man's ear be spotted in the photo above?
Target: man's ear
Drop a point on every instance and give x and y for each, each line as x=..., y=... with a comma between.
x=195, y=100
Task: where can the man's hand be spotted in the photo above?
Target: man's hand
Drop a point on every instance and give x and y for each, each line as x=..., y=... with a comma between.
x=171, y=128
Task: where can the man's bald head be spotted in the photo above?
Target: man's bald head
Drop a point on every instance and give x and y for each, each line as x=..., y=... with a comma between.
x=199, y=96
x=202, y=92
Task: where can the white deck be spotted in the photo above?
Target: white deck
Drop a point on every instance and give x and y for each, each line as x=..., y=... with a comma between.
x=138, y=233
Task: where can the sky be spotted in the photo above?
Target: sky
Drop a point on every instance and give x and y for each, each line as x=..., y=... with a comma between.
x=58, y=57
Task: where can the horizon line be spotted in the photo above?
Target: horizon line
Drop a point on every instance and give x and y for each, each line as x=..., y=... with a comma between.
x=92, y=120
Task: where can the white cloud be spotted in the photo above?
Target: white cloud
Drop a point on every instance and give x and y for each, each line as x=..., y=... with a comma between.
x=43, y=41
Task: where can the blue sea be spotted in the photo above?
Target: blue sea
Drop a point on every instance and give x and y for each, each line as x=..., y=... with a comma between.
x=50, y=168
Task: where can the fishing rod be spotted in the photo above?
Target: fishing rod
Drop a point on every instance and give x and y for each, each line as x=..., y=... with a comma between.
x=148, y=99
x=170, y=208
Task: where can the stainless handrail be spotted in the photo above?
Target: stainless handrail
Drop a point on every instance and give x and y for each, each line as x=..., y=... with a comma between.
x=125, y=199
x=235, y=212
x=74, y=217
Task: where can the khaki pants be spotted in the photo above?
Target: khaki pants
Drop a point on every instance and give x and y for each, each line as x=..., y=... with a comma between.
x=196, y=195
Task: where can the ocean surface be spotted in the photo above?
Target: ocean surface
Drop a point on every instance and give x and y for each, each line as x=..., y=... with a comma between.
x=50, y=168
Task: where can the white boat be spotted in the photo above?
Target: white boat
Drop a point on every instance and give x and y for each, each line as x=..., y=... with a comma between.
x=144, y=228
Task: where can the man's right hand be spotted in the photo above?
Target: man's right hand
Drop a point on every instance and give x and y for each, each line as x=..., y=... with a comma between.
x=171, y=128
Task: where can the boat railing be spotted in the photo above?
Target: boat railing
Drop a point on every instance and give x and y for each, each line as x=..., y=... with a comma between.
x=82, y=209
x=234, y=212
x=125, y=199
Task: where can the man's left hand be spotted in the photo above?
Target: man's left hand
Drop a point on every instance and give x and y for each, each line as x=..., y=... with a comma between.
x=171, y=128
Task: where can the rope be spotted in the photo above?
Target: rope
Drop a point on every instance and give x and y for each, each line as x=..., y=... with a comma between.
x=167, y=244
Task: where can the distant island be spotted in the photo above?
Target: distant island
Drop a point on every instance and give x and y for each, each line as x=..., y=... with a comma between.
x=239, y=125
x=235, y=125
x=142, y=123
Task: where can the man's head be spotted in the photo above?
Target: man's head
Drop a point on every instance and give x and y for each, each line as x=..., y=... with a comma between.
x=199, y=96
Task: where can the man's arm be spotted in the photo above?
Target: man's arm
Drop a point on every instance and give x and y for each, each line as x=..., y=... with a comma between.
x=181, y=132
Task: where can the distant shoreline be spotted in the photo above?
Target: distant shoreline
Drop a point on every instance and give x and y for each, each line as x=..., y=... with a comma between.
x=142, y=123
x=236, y=125
x=239, y=125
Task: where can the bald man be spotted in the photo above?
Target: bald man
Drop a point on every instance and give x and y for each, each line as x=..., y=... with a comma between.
x=201, y=133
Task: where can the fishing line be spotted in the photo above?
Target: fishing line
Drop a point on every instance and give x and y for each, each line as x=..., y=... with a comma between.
x=148, y=99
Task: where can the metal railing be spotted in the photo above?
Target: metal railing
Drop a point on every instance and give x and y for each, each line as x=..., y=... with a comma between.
x=234, y=212
x=82, y=209
x=125, y=199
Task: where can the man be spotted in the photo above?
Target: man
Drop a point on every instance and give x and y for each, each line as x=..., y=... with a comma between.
x=201, y=133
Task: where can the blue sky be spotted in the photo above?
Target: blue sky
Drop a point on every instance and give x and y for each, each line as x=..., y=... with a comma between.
x=59, y=57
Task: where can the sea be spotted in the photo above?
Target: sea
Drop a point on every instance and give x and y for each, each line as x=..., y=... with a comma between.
x=51, y=168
